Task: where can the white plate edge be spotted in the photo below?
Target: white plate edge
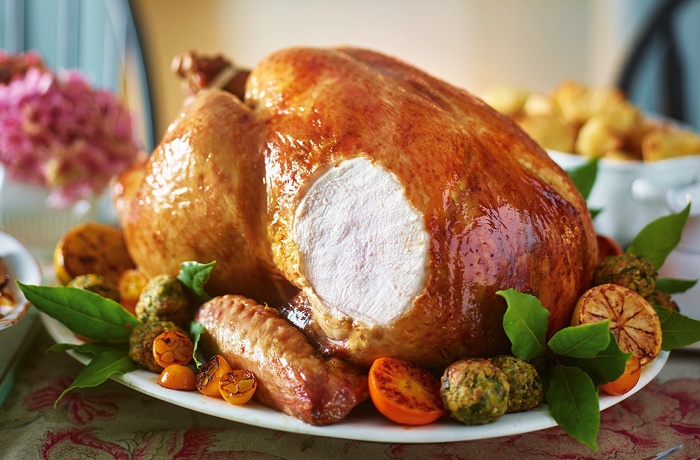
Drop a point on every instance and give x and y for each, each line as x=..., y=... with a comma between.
x=353, y=427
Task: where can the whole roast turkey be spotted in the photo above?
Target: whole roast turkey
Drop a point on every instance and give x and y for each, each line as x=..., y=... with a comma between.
x=380, y=208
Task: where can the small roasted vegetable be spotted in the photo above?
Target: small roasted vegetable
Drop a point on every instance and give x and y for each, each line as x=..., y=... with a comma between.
x=474, y=391
x=178, y=377
x=164, y=299
x=632, y=271
x=97, y=284
x=238, y=386
x=141, y=343
x=526, y=390
x=131, y=284
x=91, y=247
x=662, y=300
x=404, y=392
x=172, y=347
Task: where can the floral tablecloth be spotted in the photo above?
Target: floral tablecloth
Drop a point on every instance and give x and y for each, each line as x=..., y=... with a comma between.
x=115, y=422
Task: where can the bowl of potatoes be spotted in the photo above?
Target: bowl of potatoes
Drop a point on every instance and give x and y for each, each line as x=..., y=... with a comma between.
x=642, y=158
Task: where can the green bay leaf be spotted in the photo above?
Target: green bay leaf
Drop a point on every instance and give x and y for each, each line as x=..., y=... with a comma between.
x=102, y=367
x=674, y=285
x=677, y=329
x=196, y=331
x=194, y=276
x=584, y=176
x=573, y=403
x=89, y=348
x=85, y=313
x=659, y=237
x=584, y=341
x=525, y=324
x=605, y=366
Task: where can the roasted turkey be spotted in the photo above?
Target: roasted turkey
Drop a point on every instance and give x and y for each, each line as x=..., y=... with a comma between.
x=380, y=208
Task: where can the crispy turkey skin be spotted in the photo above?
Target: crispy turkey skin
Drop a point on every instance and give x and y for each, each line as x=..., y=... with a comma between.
x=392, y=205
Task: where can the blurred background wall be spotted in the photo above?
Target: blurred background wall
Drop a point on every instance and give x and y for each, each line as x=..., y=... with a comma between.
x=473, y=44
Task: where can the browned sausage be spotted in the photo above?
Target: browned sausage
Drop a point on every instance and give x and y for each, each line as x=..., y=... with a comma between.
x=292, y=376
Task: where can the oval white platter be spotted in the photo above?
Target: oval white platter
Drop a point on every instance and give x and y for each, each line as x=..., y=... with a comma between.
x=363, y=424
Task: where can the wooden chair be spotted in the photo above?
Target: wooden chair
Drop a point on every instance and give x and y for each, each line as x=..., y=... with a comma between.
x=662, y=71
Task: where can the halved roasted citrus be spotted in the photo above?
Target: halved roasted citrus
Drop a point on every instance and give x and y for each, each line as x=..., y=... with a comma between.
x=607, y=246
x=91, y=247
x=628, y=380
x=131, y=283
x=238, y=386
x=210, y=375
x=172, y=347
x=632, y=319
x=404, y=392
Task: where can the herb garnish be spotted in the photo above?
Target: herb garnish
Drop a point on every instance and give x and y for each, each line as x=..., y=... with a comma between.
x=586, y=356
x=104, y=322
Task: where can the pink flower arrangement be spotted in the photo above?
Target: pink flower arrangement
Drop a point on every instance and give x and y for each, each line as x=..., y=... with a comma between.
x=58, y=132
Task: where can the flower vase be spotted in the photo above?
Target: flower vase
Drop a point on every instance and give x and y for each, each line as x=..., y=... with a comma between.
x=24, y=214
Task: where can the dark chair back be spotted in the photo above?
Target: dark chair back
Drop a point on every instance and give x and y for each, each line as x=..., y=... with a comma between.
x=662, y=71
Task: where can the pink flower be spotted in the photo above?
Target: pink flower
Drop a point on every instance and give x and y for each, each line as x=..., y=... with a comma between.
x=82, y=443
x=58, y=132
x=81, y=407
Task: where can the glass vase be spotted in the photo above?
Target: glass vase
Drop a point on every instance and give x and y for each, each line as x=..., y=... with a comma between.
x=24, y=214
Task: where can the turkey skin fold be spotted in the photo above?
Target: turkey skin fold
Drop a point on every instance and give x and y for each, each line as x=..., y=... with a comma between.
x=379, y=208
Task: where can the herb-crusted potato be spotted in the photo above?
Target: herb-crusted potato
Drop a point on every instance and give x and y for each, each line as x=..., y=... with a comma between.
x=526, y=389
x=474, y=391
x=163, y=298
x=632, y=271
x=97, y=284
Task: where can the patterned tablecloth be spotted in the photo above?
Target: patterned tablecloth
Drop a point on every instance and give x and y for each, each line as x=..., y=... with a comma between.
x=115, y=422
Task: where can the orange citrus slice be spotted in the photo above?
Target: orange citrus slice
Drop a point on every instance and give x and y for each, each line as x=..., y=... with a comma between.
x=404, y=392
x=632, y=319
x=91, y=248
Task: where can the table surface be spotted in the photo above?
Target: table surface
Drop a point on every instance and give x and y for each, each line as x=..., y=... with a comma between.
x=116, y=422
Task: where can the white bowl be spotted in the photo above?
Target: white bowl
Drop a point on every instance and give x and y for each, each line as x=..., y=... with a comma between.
x=676, y=200
x=21, y=266
x=630, y=194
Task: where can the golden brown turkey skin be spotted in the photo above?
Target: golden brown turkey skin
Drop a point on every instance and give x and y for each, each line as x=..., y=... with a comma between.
x=499, y=213
x=200, y=197
x=487, y=209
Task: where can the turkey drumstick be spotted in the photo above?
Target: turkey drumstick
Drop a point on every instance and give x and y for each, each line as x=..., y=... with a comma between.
x=198, y=72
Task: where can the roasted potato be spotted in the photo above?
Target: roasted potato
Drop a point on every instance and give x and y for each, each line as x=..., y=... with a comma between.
x=593, y=121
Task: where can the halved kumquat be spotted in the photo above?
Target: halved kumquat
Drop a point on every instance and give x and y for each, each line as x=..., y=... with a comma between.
x=210, y=375
x=238, y=386
x=172, y=347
